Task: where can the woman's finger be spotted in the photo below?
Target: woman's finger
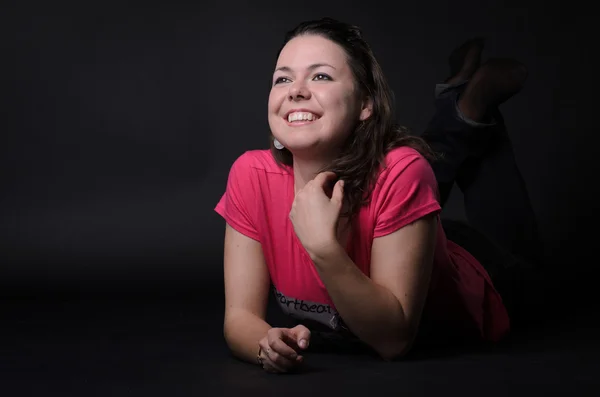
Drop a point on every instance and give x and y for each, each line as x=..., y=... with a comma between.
x=277, y=358
x=272, y=370
x=285, y=347
x=269, y=364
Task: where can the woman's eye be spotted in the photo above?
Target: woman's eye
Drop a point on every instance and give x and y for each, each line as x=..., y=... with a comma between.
x=322, y=76
x=281, y=80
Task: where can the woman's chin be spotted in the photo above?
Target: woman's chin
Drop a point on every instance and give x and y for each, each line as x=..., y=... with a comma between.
x=302, y=147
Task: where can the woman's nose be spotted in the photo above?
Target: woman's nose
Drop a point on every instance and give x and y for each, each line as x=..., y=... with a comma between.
x=299, y=91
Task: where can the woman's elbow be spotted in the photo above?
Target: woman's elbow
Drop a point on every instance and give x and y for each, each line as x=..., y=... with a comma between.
x=390, y=355
x=395, y=350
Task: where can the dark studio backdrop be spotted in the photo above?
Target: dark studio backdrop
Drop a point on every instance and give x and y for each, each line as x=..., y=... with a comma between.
x=121, y=120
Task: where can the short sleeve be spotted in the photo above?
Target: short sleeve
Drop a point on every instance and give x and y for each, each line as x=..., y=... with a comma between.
x=406, y=191
x=237, y=205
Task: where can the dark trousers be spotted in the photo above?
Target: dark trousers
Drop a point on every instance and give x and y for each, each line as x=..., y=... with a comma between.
x=502, y=230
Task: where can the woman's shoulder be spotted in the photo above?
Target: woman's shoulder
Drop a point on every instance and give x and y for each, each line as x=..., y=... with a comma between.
x=400, y=158
x=403, y=166
x=402, y=153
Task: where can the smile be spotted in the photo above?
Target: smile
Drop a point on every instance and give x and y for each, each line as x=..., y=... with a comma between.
x=301, y=118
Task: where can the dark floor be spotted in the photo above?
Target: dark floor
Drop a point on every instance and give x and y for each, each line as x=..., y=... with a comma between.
x=170, y=344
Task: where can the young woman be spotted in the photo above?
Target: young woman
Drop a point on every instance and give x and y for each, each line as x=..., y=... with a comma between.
x=341, y=217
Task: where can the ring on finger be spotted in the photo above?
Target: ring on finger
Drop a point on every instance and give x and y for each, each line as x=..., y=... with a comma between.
x=259, y=358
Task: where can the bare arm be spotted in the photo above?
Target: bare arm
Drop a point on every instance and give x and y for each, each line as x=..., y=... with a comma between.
x=246, y=294
x=385, y=310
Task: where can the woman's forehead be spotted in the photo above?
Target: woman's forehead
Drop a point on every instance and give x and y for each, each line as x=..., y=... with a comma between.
x=305, y=51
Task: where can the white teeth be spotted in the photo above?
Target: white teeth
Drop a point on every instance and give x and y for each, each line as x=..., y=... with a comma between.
x=301, y=116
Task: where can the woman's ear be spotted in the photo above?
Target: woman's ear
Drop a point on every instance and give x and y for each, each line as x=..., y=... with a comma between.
x=367, y=109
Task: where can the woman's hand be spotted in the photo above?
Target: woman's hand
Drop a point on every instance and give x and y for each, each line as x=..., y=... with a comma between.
x=315, y=215
x=280, y=349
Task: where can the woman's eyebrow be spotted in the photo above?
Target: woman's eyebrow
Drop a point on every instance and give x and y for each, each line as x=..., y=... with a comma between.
x=287, y=69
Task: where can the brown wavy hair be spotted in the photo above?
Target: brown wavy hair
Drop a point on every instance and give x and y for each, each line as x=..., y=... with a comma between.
x=364, y=151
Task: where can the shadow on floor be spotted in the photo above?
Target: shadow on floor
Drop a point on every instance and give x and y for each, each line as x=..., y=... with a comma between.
x=170, y=343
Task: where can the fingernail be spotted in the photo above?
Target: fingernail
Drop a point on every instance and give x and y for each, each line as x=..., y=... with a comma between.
x=302, y=343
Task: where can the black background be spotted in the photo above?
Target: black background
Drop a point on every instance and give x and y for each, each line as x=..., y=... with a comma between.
x=121, y=120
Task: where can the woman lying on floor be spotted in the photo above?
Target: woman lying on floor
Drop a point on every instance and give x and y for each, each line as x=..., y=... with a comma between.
x=341, y=217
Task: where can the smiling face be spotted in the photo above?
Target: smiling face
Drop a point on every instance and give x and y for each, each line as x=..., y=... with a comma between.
x=314, y=103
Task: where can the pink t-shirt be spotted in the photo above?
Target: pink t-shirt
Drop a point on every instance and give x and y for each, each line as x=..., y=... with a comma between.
x=461, y=301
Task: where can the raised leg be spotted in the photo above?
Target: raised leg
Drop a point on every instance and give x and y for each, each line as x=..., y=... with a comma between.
x=497, y=202
x=496, y=199
x=469, y=132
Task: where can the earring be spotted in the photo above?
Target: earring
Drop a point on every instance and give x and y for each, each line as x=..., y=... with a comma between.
x=277, y=144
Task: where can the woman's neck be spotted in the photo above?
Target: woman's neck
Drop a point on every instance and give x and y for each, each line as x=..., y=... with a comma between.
x=305, y=170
